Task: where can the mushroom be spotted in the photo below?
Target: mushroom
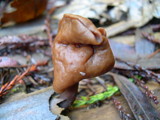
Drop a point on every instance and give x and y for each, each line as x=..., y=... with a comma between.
x=80, y=51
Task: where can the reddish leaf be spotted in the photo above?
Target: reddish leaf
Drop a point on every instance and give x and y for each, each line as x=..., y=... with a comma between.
x=23, y=10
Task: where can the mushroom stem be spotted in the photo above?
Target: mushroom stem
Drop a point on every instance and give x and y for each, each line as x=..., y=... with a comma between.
x=68, y=96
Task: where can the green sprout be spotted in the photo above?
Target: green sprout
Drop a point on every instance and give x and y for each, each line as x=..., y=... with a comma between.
x=131, y=79
x=111, y=90
x=136, y=76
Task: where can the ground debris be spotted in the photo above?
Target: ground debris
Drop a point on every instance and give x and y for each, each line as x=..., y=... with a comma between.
x=8, y=62
x=18, y=78
x=138, y=102
x=133, y=30
x=22, y=39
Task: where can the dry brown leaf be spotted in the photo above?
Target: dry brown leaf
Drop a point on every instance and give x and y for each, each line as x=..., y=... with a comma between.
x=55, y=108
x=19, y=11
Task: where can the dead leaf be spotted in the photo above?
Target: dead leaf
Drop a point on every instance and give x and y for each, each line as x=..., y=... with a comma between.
x=19, y=11
x=156, y=6
x=54, y=102
x=127, y=53
x=138, y=102
x=138, y=11
x=105, y=112
x=123, y=51
x=21, y=39
x=7, y=62
x=143, y=47
x=87, y=8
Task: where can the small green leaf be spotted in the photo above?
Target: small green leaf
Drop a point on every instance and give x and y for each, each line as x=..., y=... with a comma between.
x=131, y=79
x=138, y=77
x=111, y=90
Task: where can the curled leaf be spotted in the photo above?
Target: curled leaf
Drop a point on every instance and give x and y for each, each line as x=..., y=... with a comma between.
x=18, y=11
x=55, y=108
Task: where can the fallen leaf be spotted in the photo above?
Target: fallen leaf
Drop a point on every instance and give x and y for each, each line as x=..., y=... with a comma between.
x=54, y=102
x=143, y=47
x=123, y=51
x=87, y=8
x=105, y=112
x=138, y=102
x=21, y=39
x=7, y=62
x=127, y=53
x=156, y=11
x=18, y=11
x=139, y=11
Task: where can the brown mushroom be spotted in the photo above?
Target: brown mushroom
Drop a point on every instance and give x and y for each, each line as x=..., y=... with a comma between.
x=80, y=50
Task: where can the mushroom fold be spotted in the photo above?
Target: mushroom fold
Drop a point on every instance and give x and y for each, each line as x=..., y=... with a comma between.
x=80, y=50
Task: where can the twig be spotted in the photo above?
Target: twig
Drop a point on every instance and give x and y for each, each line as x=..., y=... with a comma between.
x=32, y=81
x=8, y=43
x=148, y=92
x=153, y=54
x=101, y=81
x=91, y=88
x=6, y=87
x=140, y=83
x=123, y=114
x=151, y=37
x=144, y=72
x=155, y=27
x=48, y=30
x=51, y=10
x=22, y=39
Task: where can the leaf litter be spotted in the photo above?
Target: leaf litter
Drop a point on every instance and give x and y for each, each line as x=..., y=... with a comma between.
x=87, y=96
x=136, y=100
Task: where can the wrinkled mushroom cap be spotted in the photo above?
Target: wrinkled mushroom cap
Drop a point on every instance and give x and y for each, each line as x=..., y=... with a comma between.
x=80, y=51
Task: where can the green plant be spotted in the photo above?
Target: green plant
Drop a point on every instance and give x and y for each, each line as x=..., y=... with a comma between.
x=111, y=90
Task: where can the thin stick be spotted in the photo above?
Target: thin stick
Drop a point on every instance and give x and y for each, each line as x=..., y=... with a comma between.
x=6, y=87
x=123, y=114
x=147, y=73
x=48, y=30
x=153, y=54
